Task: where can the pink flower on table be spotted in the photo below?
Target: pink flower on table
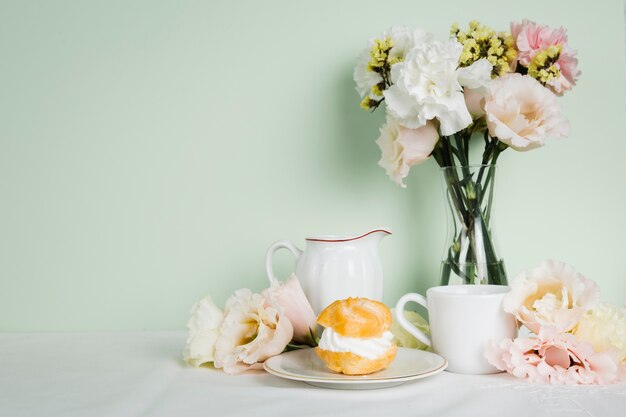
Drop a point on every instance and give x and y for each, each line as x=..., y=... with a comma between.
x=290, y=297
x=252, y=331
x=522, y=113
x=552, y=295
x=531, y=38
x=553, y=358
x=401, y=147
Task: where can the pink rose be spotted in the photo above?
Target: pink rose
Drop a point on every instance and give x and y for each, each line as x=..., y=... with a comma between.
x=475, y=101
x=553, y=358
x=290, y=297
x=531, y=38
x=402, y=148
x=522, y=113
x=252, y=331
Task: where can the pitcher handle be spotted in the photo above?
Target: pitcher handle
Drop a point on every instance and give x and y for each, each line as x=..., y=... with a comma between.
x=404, y=323
x=281, y=244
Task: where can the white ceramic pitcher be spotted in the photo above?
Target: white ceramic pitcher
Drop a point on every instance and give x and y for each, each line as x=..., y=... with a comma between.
x=335, y=267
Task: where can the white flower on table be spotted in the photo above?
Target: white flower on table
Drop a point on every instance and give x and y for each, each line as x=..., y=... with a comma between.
x=604, y=328
x=252, y=331
x=429, y=85
x=203, y=325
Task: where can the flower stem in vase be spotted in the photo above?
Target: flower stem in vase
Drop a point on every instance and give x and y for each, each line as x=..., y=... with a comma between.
x=471, y=257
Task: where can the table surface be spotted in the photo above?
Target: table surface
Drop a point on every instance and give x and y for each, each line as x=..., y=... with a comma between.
x=142, y=374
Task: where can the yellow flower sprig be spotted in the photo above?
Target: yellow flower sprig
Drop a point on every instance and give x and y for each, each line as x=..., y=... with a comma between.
x=380, y=62
x=481, y=41
x=542, y=67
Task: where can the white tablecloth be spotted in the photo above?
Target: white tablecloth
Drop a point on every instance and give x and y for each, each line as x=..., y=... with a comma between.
x=141, y=374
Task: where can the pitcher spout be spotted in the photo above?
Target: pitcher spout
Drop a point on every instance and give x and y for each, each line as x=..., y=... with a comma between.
x=376, y=235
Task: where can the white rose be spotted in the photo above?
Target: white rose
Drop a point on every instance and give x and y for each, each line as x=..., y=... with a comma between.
x=251, y=332
x=203, y=325
x=428, y=84
x=551, y=295
x=401, y=148
x=604, y=328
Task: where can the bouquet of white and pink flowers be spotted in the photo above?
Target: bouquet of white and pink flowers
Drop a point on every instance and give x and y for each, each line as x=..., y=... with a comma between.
x=496, y=88
x=575, y=339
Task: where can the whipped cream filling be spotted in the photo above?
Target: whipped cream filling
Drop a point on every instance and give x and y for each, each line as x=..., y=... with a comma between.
x=370, y=348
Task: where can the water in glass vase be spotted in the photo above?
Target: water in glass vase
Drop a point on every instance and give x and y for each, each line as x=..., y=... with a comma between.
x=471, y=255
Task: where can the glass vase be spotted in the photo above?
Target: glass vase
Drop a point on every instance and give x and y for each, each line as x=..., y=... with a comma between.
x=471, y=255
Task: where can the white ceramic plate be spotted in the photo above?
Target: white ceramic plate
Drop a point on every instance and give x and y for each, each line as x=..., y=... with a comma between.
x=304, y=365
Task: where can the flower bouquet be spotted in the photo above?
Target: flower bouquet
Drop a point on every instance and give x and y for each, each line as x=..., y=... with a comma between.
x=480, y=86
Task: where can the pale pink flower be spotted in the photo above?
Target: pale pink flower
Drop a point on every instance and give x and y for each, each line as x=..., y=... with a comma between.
x=475, y=101
x=531, y=38
x=251, y=332
x=522, y=113
x=403, y=148
x=290, y=297
x=552, y=295
x=553, y=358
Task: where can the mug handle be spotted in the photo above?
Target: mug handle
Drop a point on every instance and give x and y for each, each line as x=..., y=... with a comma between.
x=404, y=323
x=281, y=244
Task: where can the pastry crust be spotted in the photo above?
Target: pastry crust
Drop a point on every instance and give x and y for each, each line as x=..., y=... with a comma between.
x=350, y=364
x=357, y=317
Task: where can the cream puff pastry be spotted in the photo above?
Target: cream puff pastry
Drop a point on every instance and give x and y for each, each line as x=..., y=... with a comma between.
x=356, y=338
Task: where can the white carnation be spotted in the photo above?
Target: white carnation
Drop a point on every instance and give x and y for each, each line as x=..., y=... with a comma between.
x=428, y=84
x=365, y=78
x=403, y=40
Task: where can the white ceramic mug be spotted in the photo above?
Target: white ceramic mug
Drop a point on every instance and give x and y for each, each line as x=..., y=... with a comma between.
x=463, y=318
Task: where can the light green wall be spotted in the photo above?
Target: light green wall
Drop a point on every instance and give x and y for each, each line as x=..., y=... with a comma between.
x=151, y=151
